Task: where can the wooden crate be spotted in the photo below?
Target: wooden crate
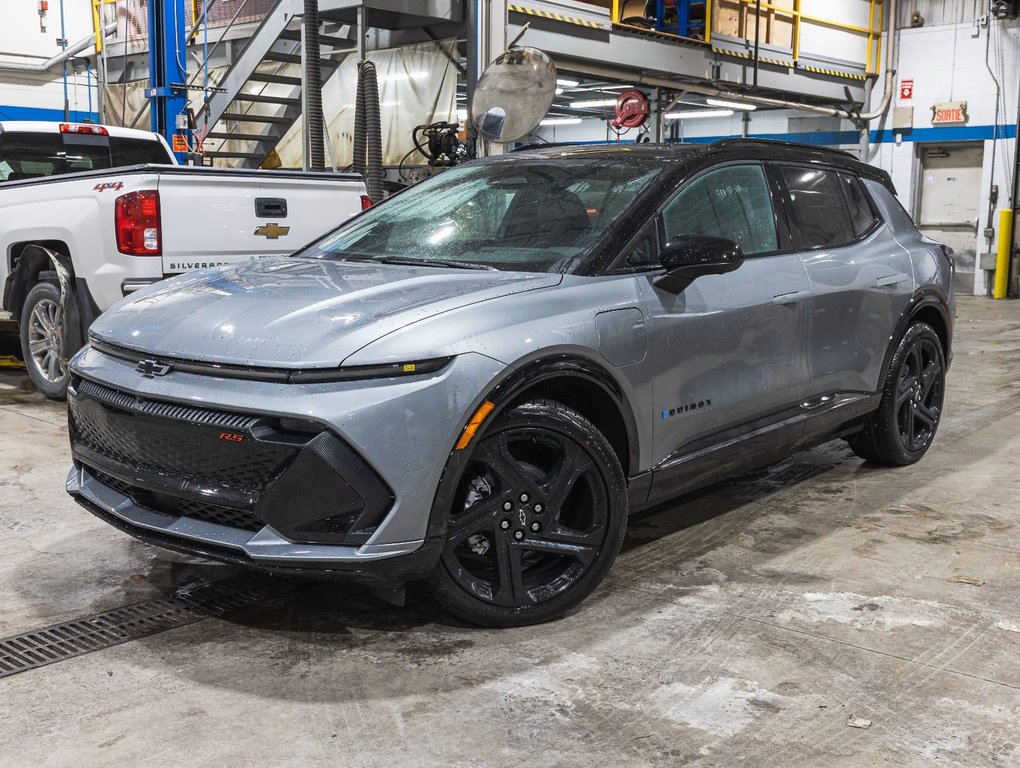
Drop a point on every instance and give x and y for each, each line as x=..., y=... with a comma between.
x=733, y=18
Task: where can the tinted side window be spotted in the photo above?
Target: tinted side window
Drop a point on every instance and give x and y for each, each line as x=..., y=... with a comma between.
x=137, y=151
x=861, y=213
x=731, y=202
x=817, y=212
x=644, y=251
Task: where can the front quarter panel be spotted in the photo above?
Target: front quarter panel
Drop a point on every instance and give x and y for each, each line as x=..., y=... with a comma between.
x=526, y=329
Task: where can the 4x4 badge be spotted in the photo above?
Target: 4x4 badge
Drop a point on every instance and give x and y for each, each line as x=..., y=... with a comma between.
x=150, y=368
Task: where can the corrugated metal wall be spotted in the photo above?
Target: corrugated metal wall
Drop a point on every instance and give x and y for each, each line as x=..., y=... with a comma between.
x=936, y=12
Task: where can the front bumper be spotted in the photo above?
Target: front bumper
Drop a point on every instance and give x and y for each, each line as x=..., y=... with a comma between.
x=171, y=463
x=265, y=550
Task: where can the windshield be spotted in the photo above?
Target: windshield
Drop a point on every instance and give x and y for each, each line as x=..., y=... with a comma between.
x=528, y=215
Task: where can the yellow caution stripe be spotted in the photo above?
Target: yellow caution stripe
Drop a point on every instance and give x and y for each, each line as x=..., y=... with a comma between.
x=834, y=72
x=745, y=55
x=556, y=16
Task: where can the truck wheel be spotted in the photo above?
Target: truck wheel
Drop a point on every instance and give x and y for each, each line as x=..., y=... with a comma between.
x=41, y=319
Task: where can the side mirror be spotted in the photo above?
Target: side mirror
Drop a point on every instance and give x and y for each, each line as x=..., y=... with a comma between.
x=688, y=257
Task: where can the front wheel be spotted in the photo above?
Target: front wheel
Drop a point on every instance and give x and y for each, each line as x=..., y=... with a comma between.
x=41, y=340
x=538, y=517
x=902, y=429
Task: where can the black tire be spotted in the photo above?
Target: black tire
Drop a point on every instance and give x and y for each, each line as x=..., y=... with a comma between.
x=568, y=514
x=41, y=340
x=903, y=428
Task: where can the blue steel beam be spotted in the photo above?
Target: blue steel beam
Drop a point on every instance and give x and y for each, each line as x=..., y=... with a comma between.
x=168, y=75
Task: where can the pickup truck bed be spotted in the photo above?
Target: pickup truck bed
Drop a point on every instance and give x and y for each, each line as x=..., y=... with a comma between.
x=96, y=236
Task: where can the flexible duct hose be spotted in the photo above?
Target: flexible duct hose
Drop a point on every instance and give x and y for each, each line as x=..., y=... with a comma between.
x=313, y=87
x=359, y=126
x=368, y=132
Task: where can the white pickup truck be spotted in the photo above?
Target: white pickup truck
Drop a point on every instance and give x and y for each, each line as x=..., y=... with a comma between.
x=90, y=213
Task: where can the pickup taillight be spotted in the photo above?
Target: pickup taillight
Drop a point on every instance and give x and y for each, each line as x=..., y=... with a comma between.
x=366, y=202
x=137, y=223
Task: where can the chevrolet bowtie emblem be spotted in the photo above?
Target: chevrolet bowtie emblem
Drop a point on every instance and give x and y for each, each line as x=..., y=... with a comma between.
x=150, y=368
x=272, y=231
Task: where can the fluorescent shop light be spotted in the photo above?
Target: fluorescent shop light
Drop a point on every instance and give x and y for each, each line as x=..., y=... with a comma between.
x=594, y=103
x=689, y=114
x=567, y=83
x=731, y=104
x=561, y=121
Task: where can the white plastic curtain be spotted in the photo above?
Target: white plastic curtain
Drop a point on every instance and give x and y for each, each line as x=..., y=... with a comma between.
x=417, y=86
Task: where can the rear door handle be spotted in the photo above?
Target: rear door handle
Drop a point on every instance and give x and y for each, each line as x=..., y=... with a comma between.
x=890, y=280
x=271, y=206
x=790, y=298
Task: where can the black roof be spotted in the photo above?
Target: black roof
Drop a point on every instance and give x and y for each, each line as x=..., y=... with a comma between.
x=725, y=149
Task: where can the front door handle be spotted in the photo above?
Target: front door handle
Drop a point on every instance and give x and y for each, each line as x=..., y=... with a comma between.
x=790, y=298
x=892, y=280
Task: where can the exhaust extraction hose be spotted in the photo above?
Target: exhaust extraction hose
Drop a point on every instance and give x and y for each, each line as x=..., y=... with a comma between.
x=313, y=88
x=368, y=131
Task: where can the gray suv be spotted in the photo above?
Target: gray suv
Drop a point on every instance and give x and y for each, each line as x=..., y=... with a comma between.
x=474, y=382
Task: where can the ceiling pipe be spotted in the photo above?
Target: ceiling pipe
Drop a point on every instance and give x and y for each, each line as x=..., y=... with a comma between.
x=60, y=58
x=608, y=73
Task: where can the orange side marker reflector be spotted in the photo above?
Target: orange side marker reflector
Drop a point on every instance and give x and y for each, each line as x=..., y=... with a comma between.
x=472, y=426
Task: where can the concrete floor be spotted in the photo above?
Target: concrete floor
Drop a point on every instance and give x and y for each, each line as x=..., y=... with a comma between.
x=743, y=626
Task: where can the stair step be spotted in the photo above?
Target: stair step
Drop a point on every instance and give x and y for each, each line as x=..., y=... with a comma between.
x=241, y=136
x=285, y=58
x=261, y=98
x=245, y=118
x=241, y=155
x=333, y=42
x=279, y=79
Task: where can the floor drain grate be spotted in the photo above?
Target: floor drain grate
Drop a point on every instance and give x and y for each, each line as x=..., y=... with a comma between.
x=188, y=605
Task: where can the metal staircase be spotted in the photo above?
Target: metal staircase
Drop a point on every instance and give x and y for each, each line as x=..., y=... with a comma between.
x=258, y=99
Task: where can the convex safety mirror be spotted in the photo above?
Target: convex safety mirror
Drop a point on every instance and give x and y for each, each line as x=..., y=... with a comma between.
x=513, y=94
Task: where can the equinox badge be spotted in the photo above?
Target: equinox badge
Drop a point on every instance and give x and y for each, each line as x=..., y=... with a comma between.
x=150, y=368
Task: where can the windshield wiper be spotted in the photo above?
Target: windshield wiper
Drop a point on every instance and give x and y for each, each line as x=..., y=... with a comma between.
x=412, y=262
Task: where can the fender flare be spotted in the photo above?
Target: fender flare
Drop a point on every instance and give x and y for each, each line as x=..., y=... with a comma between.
x=34, y=260
x=503, y=391
x=926, y=297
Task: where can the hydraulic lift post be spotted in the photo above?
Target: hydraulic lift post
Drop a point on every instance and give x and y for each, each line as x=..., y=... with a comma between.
x=168, y=74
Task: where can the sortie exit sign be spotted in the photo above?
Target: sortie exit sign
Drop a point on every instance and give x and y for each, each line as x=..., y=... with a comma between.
x=949, y=113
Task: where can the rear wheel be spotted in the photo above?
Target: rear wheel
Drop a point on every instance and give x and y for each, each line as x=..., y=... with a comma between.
x=538, y=517
x=902, y=429
x=41, y=340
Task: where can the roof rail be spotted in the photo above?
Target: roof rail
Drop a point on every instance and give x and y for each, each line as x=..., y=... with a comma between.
x=739, y=141
x=543, y=144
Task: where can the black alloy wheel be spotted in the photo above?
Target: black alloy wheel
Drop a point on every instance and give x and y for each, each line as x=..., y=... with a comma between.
x=538, y=518
x=904, y=426
x=919, y=394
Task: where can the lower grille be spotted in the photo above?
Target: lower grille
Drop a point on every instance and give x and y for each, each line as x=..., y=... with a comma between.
x=242, y=471
x=172, y=506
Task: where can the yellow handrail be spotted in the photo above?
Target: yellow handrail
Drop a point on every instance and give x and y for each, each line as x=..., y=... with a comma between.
x=97, y=25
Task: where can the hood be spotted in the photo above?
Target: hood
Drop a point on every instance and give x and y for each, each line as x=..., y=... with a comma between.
x=295, y=313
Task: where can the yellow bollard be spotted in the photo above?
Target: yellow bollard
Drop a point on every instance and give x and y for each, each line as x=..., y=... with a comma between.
x=1002, y=255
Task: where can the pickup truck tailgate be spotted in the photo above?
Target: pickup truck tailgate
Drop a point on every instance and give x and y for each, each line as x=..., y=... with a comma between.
x=212, y=217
